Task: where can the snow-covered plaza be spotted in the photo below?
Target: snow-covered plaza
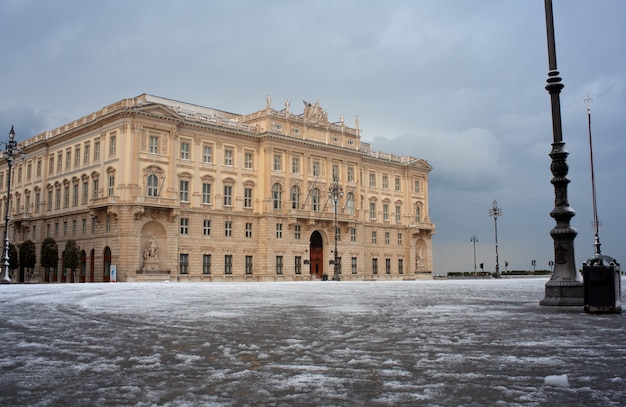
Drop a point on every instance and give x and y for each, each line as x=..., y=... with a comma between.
x=430, y=343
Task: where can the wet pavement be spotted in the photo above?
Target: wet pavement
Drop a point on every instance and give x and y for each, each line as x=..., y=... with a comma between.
x=430, y=343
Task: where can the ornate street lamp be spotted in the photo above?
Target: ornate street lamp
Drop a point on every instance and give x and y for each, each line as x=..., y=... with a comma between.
x=565, y=286
x=335, y=192
x=11, y=150
x=474, y=240
x=494, y=212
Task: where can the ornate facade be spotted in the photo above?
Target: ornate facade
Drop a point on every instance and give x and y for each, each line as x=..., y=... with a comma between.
x=157, y=189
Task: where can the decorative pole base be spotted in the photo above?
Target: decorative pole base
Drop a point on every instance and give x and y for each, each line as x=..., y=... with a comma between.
x=563, y=293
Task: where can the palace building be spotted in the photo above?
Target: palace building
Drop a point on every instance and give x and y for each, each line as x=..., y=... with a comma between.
x=152, y=189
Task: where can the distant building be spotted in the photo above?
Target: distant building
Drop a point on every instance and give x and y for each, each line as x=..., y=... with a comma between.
x=158, y=189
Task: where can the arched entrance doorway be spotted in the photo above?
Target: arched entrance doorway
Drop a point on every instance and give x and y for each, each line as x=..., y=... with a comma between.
x=317, y=255
x=106, y=272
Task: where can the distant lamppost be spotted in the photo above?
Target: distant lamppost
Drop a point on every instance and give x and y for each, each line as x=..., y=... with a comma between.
x=335, y=192
x=494, y=212
x=474, y=240
x=534, y=264
x=11, y=150
x=565, y=286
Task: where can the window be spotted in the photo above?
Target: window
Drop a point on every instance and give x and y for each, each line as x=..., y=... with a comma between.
x=417, y=213
x=153, y=144
x=153, y=185
x=86, y=154
x=228, y=228
x=68, y=159
x=350, y=203
x=111, y=189
x=277, y=195
x=354, y=265
x=335, y=171
x=315, y=199
x=374, y=237
x=248, y=265
x=247, y=160
x=107, y=223
x=353, y=234
x=93, y=225
x=184, y=263
x=59, y=162
x=385, y=182
x=372, y=180
x=50, y=200
x=38, y=169
x=316, y=168
x=247, y=197
x=206, y=264
x=50, y=166
x=387, y=238
x=64, y=229
x=373, y=210
x=77, y=157
x=279, y=265
x=74, y=227
x=278, y=162
x=350, y=174
x=56, y=229
x=297, y=232
x=84, y=226
x=228, y=195
x=386, y=212
x=184, y=150
x=387, y=266
x=338, y=234
x=184, y=226
x=399, y=239
x=374, y=266
x=37, y=201
x=295, y=197
x=206, y=192
x=295, y=165
x=184, y=190
x=207, y=154
x=112, y=147
x=228, y=157
x=85, y=191
x=228, y=264
x=95, y=189
x=398, y=213
x=206, y=227
x=400, y=266
x=297, y=264
x=397, y=184
x=279, y=231
x=58, y=198
x=96, y=151
x=248, y=229
x=417, y=186
x=75, y=195
x=66, y=196
x=29, y=171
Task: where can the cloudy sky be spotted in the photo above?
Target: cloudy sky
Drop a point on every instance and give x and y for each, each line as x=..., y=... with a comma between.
x=459, y=83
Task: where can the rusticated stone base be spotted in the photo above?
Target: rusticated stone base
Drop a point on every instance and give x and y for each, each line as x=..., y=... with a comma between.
x=564, y=293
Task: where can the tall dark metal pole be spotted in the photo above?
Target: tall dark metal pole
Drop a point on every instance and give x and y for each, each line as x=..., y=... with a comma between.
x=474, y=240
x=495, y=212
x=12, y=150
x=596, y=224
x=335, y=192
x=565, y=286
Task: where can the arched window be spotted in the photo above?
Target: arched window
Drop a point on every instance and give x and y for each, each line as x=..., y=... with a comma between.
x=315, y=199
x=350, y=203
x=277, y=195
x=295, y=197
x=417, y=212
x=153, y=185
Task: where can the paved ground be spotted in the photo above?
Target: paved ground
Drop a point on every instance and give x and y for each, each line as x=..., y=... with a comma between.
x=431, y=343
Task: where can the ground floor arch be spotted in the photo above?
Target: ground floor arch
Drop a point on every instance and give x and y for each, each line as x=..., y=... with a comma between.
x=316, y=250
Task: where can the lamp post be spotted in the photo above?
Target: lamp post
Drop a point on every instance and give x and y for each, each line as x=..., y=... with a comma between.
x=494, y=212
x=474, y=240
x=335, y=192
x=11, y=150
x=565, y=286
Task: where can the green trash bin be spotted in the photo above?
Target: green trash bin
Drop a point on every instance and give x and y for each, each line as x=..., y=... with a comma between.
x=602, y=285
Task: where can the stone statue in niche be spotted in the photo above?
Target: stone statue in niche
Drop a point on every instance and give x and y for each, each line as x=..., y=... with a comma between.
x=151, y=256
